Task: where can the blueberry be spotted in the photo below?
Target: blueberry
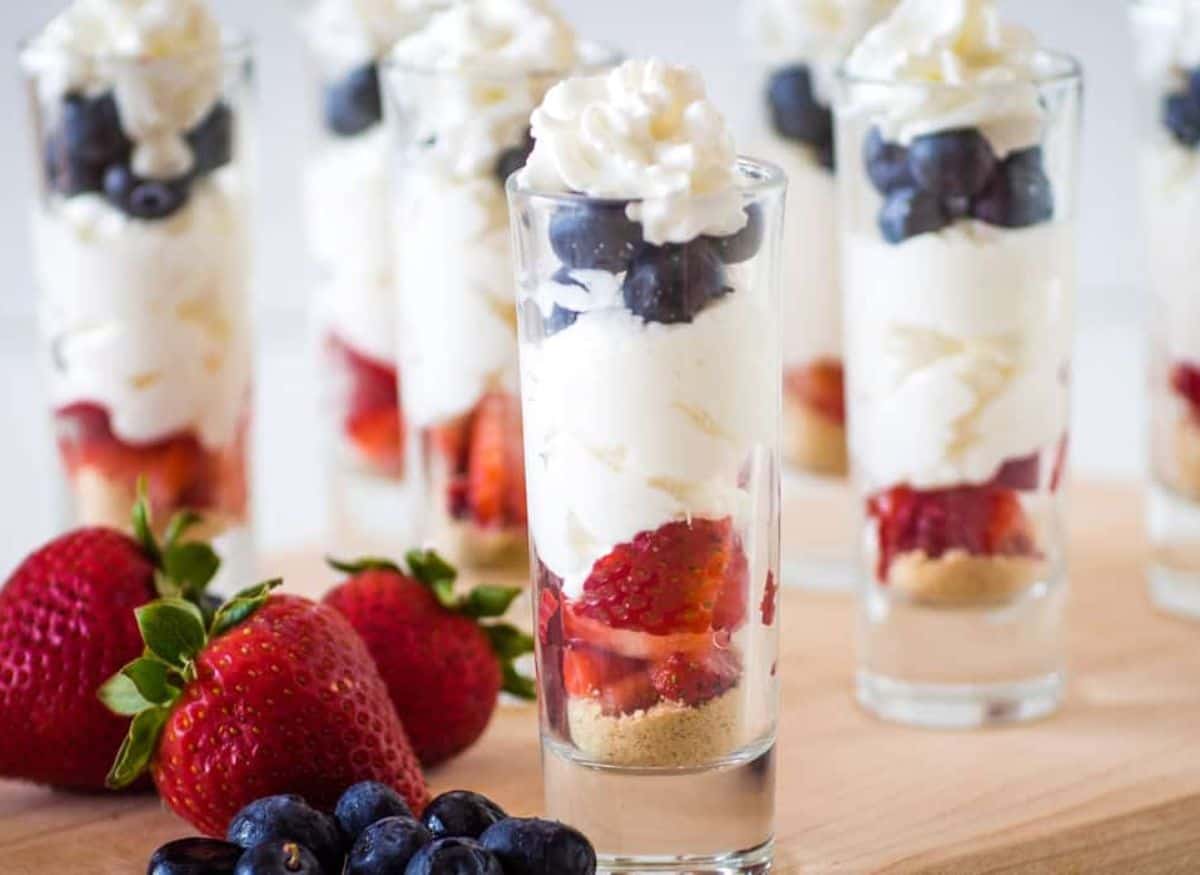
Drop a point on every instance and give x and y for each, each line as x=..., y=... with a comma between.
x=195, y=856
x=280, y=857
x=212, y=140
x=540, y=847
x=454, y=856
x=461, y=813
x=289, y=818
x=796, y=112
x=1020, y=193
x=513, y=159
x=366, y=803
x=387, y=846
x=355, y=103
x=91, y=129
x=1181, y=114
x=952, y=163
x=70, y=175
x=910, y=212
x=745, y=244
x=1193, y=89
x=672, y=283
x=595, y=236
x=145, y=198
x=887, y=164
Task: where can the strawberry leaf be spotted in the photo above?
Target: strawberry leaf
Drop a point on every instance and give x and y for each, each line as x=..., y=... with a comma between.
x=241, y=607
x=489, y=601
x=357, y=566
x=516, y=684
x=443, y=590
x=430, y=568
x=179, y=525
x=191, y=566
x=153, y=681
x=138, y=747
x=143, y=528
x=508, y=642
x=173, y=630
x=121, y=696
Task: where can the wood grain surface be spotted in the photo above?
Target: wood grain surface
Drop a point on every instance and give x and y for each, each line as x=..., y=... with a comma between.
x=1109, y=785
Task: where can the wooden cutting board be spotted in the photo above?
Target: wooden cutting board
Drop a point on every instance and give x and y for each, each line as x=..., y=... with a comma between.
x=1109, y=785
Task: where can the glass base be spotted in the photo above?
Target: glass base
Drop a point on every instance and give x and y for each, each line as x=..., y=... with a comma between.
x=937, y=706
x=1174, y=570
x=717, y=819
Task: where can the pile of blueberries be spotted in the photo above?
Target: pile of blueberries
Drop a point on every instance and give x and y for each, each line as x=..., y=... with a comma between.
x=798, y=114
x=955, y=174
x=1181, y=112
x=667, y=284
x=88, y=152
x=373, y=832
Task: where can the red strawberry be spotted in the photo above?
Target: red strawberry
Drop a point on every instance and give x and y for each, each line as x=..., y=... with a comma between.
x=1185, y=382
x=620, y=685
x=693, y=679
x=275, y=695
x=628, y=642
x=496, y=462
x=667, y=581
x=66, y=625
x=444, y=669
x=373, y=419
x=820, y=387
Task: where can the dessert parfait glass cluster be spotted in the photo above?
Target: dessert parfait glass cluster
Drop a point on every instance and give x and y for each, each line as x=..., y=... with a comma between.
x=957, y=158
x=348, y=212
x=461, y=91
x=1167, y=37
x=141, y=248
x=799, y=45
x=646, y=264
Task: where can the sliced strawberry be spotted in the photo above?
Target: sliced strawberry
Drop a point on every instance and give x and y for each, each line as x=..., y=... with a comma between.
x=1185, y=382
x=379, y=436
x=770, y=600
x=693, y=679
x=620, y=685
x=729, y=613
x=664, y=582
x=487, y=462
x=630, y=643
x=371, y=416
x=820, y=386
x=549, y=619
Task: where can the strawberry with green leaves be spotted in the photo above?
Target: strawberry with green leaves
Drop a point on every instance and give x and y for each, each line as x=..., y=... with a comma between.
x=272, y=694
x=444, y=657
x=66, y=624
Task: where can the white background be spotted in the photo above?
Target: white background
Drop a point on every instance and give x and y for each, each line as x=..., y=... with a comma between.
x=1107, y=433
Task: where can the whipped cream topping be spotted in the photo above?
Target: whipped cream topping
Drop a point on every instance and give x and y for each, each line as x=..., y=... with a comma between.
x=162, y=58
x=149, y=319
x=817, y=32
x=647, y=132
x=964, y=67
x=494, y=37
x=349, y=33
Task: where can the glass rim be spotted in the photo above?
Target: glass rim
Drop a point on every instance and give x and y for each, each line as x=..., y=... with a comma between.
x=237, y=47
x=604, y=58
x=1061, y=69
x=761, y=178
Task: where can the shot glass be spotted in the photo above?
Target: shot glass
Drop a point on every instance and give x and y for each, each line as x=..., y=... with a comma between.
x=372, y=505
x=1170, y=180
x=144, y=288
x=651, y=396
x=959, y=295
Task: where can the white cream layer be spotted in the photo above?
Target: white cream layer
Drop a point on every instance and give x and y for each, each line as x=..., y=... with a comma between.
x=1171, y=207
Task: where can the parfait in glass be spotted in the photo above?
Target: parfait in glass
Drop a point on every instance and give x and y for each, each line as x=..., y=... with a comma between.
x=142, y=259
x=958, y=145
x=646, y=263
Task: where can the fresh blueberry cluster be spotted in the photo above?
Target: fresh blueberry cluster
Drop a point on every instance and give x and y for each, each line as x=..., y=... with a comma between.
x=354, y=103
x=668, y=284
x=798, y=114
x=1181, y=112
x=373, y=832
x=89, y=153
x=955, y=174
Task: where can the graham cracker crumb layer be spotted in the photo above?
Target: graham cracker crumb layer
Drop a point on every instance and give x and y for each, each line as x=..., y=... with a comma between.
x=812, y=442
x=960, y=579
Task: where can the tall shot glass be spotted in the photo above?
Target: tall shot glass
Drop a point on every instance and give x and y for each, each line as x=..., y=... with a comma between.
x=144, y=288
x=958, y=327
x=1170, y=180
x=651, y=394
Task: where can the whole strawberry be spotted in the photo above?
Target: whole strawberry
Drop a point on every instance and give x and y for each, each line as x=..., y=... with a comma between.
x=444, y=668
x=275, y=695
x=66, y=624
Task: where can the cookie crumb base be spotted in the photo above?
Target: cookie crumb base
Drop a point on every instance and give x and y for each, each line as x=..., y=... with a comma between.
x=961, y=579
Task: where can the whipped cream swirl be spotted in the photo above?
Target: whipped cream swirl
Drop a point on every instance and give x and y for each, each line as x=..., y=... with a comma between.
x=161, y=58
x=991, y=68
x=646, y=131
x=348, y=33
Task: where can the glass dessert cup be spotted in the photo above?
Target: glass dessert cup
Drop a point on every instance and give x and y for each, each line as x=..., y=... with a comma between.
x=651, y=396
x=372, y=506
x=959, y=320
x=144, y=296
x=1170, y=181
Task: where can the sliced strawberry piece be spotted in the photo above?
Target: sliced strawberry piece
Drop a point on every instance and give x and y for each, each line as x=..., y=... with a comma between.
x=379, y=436
x=664, y=582
x=630, y=643
x=820, y=386
x=487, y=462
x=729, y=613
x=1185, y=382
x=770, y=600
x=549, y=618
x=693, y=679
x=620, y=685
x=372, y=417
